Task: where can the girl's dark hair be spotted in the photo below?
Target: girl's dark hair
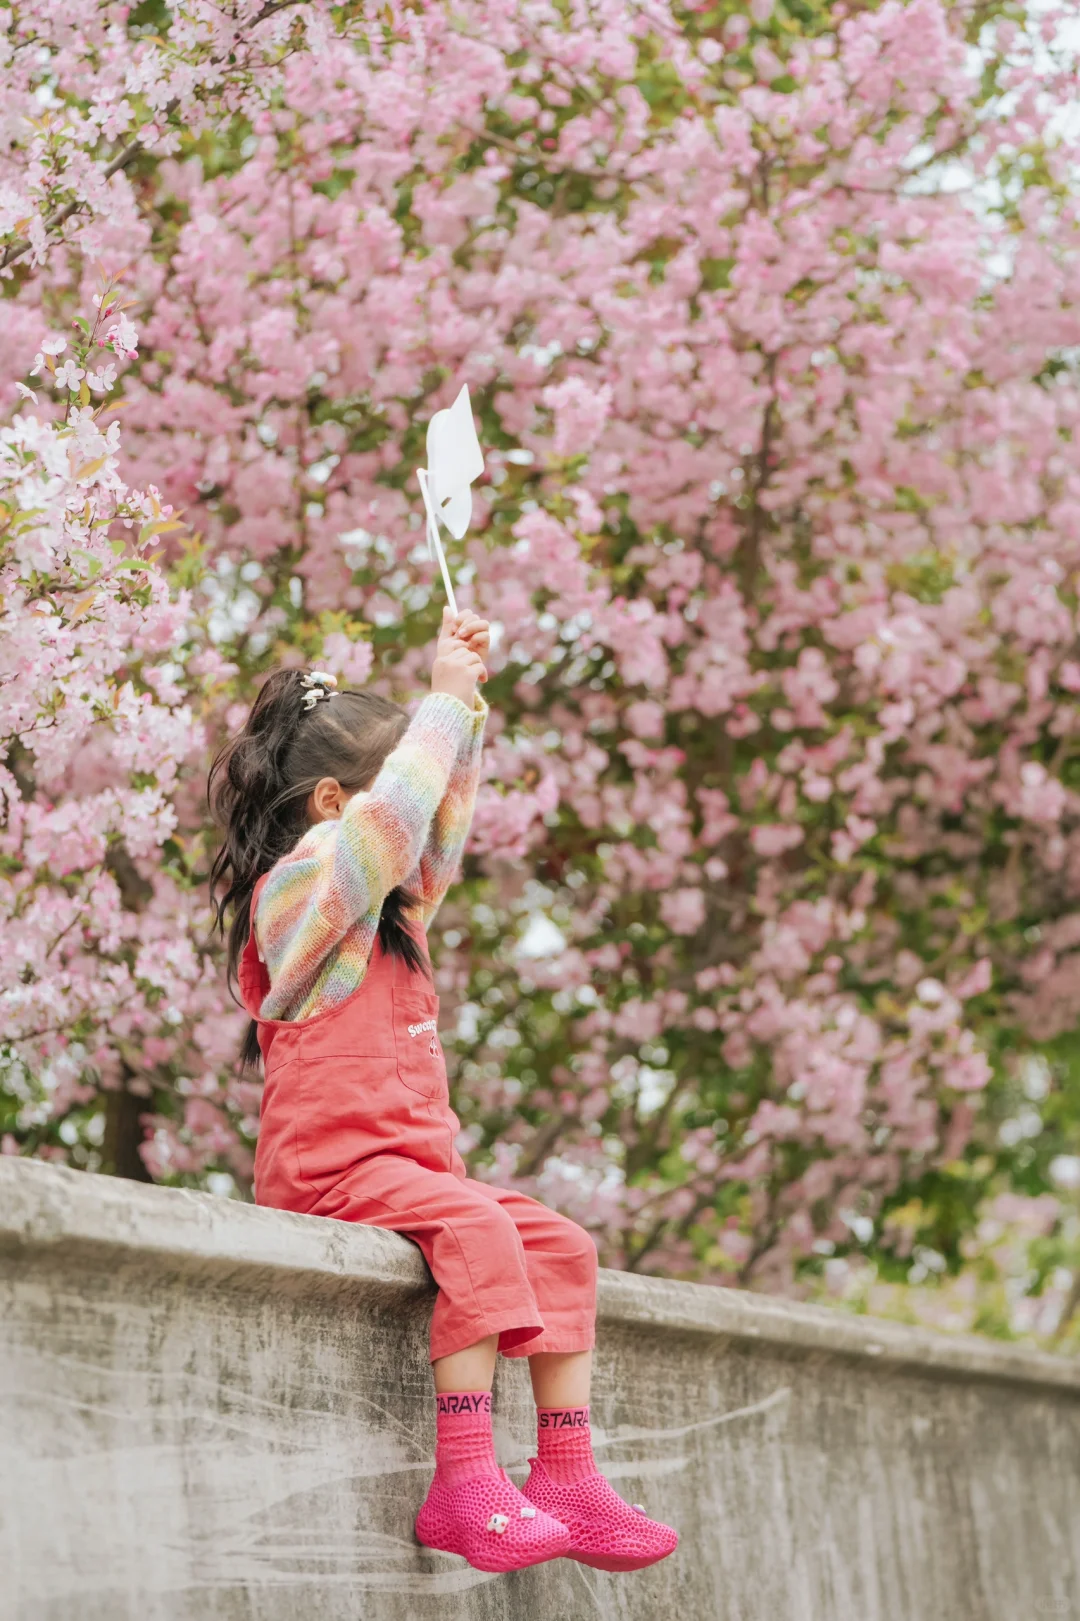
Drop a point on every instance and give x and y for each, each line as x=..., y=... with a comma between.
x=258, y=789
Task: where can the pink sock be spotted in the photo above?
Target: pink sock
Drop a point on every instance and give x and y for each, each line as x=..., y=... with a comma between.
x=564, y=1443
x=464, y=1446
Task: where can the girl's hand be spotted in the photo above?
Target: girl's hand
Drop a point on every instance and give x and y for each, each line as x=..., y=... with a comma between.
x=474, y=632
x=467, y=628
x=456, y=670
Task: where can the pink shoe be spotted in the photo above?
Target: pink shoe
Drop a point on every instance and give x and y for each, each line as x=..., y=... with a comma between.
x=604, y=1531
x=489, y=1522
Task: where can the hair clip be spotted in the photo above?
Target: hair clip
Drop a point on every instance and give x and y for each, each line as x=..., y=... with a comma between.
x=319, y=684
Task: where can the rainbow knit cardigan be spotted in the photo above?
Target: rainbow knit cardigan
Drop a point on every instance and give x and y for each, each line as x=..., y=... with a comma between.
x=318, y=913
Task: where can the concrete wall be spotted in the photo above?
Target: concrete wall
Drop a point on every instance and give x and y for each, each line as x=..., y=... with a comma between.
x=210, y=1412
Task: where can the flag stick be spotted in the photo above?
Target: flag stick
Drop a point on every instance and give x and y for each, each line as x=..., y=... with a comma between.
x=434, y=543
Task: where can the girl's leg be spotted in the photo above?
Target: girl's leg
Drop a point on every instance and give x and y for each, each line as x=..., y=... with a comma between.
x=560, y=1381
x=604, y=1531
x=560, y=1378
x=471, y=1369
x=564, y=1482
x=472, y=1508
x=464, y=1445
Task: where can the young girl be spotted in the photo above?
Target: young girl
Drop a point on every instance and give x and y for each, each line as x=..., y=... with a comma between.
x=343, y=826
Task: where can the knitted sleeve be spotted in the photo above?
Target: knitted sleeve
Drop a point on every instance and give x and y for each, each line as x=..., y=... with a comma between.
x=441, y=858
x=318, y=913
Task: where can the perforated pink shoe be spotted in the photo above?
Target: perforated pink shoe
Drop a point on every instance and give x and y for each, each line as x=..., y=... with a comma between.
x=488, y=1521
x=604, y=1531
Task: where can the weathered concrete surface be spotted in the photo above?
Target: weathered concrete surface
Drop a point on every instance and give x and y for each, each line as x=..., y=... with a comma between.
x=215, y=1413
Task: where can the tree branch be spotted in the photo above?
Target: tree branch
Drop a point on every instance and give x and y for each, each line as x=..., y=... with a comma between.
x=76, y=206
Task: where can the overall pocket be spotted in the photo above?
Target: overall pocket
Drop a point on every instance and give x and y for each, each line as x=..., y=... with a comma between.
x=420, y=1062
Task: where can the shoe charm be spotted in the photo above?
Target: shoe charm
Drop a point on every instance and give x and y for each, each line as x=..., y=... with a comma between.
x=498, y=1524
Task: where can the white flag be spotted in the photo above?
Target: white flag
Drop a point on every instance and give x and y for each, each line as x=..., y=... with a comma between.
x=454, y=461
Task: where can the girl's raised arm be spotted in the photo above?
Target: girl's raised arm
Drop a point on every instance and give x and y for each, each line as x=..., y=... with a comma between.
x=441, y=855
x=318, y=913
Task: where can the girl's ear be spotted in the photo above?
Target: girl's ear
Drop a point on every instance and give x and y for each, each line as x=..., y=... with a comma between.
x=327, y=800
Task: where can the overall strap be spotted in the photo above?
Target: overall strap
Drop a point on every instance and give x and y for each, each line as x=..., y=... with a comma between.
x=254, y=980
x=260, y=885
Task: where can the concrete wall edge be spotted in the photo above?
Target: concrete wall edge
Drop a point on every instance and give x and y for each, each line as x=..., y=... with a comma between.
x=56, y=1212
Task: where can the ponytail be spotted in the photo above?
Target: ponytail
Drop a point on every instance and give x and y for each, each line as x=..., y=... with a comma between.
x=258, y=789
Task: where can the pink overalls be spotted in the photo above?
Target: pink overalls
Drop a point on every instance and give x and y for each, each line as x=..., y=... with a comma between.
x=356, y=1124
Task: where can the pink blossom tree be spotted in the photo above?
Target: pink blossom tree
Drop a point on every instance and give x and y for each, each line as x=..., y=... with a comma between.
x=95, y=727
x=771, y=324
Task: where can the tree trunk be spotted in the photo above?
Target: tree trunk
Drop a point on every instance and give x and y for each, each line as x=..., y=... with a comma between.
x=123, y=1134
